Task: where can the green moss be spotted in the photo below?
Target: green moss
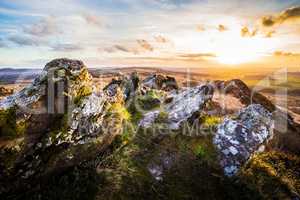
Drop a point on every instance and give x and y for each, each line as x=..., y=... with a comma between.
x=151, y=100
x=128, y=133
x=59, y=130
x=210, y=120
x=274, y=175
x=154, y=94
x=200, y=146
x=199, y=151
x=9, y=125
x=162, y=117
x=82, y=92
x=118, y=110
x=136, y=114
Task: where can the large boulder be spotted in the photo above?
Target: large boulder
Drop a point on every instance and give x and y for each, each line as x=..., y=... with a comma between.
x=181, y=107
x=238, y=89
x=238, y=138
x=127, y=84
x=60, y=128
x=58, y=89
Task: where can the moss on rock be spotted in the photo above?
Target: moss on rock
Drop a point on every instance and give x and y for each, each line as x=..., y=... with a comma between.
x=10, y=126
x=274, y=175
x=82, y=92
x=151, y=100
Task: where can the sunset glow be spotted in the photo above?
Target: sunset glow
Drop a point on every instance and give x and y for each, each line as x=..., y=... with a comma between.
x=150, y=33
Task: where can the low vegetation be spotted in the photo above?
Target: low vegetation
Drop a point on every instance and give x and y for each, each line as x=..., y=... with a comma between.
x=210, y=120
x=151, y=100
x=274, y=175
x=10, y=127
x=82, y=92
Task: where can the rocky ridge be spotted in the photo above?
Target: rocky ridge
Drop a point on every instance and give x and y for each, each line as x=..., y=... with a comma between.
x=61, y=121
x=87, y=123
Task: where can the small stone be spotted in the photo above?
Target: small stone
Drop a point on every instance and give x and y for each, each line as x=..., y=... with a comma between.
x=233, y=150
x=229, y=171
x=225, y=151
x=39, y=145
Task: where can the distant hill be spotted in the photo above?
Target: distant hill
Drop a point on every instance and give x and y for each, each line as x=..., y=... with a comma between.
x=10, y=75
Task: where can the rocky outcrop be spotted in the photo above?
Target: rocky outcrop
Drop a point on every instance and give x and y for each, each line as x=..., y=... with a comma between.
x=182, y=106
x=240, y=90
x=60, y=77
x=128, y=85
x=160, y=82
x=60, y=122
x=237, y=139
x=78, y=125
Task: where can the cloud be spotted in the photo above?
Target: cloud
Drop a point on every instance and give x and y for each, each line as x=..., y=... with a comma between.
x=14, y=12
x=2, y=43
x=222, y=28
x=196, y=56
x=93, y=20
x=268, y=20
x=44, y=27
x=245, y=32
x=23, y=40
x=191, y=57
x=290, y=13
x=170, y=4
x=286, y=15
x=269, y=34
x=161, y=39
x=117, y=47
x=122, y=48
x=200, y=28
x=67, y=47
x=145, y=45
x=286, y=54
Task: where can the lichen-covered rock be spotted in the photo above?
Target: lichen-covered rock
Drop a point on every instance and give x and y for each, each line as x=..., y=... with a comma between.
x=187, y=102
x=183, y=105
x=160, y=82
x=66, y=122
x=60, y=77
x=128, y=85
x=149, y=118
x=61, y=85
x=237, y=139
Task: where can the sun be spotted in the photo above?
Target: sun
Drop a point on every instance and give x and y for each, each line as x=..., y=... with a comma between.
x=232, y=49
x=234, y=57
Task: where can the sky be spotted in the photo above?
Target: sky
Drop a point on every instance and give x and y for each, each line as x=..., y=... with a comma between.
x=161, y=33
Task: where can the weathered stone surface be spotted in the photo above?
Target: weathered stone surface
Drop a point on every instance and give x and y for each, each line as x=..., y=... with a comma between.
x=63, y=137
x=66, y=77
x=237, y=139
x=85, y=126
x=149, y=118
x=128, y=85
x=160, y=82
x=187, y=102
x=240, y=90
x=183, y=105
